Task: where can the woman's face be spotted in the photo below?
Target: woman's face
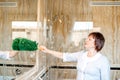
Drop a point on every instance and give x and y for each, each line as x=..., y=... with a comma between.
x=90, y=43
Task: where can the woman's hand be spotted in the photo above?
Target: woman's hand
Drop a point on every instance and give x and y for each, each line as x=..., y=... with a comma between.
x=43, y=49
x=13, y=53
x=54, y=53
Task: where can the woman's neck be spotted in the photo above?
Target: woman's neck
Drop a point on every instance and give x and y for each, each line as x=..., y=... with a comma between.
x=91, y=53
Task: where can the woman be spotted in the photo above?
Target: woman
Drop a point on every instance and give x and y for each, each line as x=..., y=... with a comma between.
x=91, y=64
x=7, y=54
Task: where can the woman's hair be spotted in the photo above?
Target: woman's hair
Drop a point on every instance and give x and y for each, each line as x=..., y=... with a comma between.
x=99, y=40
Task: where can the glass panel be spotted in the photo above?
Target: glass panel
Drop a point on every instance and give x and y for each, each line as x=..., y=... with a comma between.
x=20, y=21
x=60, y=25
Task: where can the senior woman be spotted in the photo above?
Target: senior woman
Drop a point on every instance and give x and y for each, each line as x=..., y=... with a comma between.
x=91, y=63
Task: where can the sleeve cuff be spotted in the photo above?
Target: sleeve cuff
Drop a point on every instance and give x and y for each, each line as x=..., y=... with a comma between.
x=64, y=57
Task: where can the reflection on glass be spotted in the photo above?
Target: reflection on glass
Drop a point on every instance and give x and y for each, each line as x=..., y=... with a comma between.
x=80, y=32
x=24, y=29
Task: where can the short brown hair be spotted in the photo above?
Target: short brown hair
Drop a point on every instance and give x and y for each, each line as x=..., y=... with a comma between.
x=99, y=40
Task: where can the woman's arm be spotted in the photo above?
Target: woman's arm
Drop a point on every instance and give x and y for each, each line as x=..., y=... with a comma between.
x=54, y=53
x=7, y=54
x=13, y=53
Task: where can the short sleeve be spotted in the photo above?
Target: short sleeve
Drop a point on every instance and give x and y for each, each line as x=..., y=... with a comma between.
x=4, y=55
x=71, y=57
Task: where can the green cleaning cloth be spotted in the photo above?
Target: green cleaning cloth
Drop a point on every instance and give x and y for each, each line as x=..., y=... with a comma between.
x=23, y=44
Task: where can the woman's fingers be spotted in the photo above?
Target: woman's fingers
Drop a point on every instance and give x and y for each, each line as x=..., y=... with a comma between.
x=41, y=48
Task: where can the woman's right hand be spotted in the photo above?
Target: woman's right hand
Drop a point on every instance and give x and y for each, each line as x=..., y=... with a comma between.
x=43, y=49
x=54, y=53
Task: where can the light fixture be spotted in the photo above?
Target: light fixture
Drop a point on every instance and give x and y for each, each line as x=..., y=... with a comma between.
x=104, y=3
x=8, y=4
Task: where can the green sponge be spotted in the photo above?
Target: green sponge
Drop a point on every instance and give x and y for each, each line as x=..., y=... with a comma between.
x=23, y=44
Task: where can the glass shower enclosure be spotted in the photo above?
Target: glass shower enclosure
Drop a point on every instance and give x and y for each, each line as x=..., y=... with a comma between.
x=61, y=25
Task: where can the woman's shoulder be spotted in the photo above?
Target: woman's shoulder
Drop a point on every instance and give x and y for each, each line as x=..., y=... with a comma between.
x=103, y=59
